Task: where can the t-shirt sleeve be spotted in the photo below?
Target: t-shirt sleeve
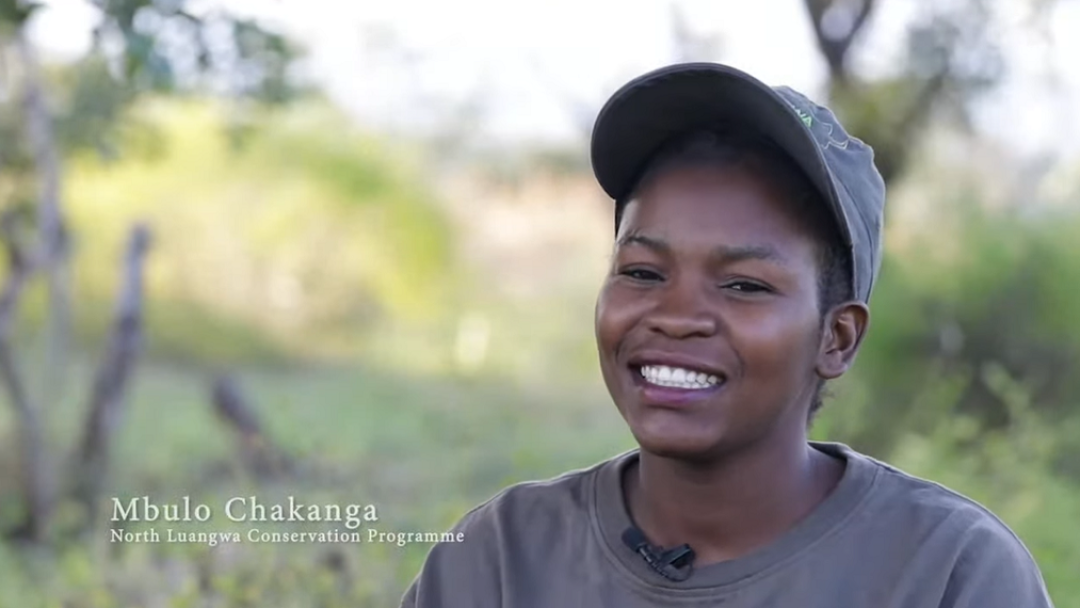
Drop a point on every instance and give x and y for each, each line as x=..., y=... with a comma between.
x=461, y=574
x=995, y=570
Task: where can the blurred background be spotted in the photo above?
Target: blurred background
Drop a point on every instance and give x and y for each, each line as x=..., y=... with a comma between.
x=349, y=252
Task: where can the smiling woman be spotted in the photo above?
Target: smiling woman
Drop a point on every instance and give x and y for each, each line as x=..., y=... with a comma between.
x=716, y=272
x=740, y=281
x=737, y=149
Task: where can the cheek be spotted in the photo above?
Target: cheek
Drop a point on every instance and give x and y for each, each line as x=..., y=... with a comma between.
x=777, y=344
x=615, y=315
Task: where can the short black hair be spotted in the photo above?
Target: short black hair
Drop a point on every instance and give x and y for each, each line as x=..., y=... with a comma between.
x=726, y=146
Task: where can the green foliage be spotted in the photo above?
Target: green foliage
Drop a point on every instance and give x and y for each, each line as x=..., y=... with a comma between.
x=304, y=230
x=91, y=109
x=14, y=13
x=166, y=47
x=970, y=290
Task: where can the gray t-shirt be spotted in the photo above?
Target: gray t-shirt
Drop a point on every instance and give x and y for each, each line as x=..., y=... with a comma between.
x=882, y=539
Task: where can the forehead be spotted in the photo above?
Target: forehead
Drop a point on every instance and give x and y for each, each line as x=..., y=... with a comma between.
x=712, y=205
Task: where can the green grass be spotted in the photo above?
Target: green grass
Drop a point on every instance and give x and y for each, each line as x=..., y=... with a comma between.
x=424, y=450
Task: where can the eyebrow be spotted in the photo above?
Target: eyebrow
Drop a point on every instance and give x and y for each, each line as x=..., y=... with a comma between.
x=726, y=253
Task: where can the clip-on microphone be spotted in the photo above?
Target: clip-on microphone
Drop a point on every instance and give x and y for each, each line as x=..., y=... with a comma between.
x=673, y=564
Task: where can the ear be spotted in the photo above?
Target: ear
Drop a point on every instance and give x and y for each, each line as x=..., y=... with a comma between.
x=845, y=326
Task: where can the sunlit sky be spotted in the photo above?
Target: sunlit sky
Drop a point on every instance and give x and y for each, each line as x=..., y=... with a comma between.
x=526, y=59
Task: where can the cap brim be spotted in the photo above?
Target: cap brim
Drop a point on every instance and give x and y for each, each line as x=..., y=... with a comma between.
x=650, y=110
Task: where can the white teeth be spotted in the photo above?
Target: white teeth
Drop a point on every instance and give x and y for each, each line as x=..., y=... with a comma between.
x=677, y=377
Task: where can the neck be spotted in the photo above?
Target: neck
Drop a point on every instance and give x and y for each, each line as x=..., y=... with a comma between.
x=731, y=506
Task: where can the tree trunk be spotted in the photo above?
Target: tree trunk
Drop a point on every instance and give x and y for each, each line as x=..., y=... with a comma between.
x=110, y=384
x=53, y=240
x=837, y=23
x=36, y=471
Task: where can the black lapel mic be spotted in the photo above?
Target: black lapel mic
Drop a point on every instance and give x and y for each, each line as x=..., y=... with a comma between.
x=674, y=564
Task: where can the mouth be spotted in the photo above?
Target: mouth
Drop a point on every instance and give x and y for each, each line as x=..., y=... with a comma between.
x=663, y=381
x=668, y=376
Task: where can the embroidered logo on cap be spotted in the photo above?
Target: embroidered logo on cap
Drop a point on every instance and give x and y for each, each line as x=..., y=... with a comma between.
x=824, y=132
x=829, y=141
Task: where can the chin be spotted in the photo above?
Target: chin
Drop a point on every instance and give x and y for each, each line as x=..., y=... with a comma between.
x=678, y=444
x=676, y=452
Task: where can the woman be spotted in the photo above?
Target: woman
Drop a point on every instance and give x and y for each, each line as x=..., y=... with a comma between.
x=748, y=238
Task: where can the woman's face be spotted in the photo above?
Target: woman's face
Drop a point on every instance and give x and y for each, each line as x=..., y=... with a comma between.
x=708, y=325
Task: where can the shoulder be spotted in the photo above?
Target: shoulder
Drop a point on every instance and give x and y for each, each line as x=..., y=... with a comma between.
x=537, y=501
x=985, y=557
x=937, y=505
x=523, y=511
x=493, y=537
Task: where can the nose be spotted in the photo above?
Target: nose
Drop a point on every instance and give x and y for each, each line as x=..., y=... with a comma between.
x=682, y=311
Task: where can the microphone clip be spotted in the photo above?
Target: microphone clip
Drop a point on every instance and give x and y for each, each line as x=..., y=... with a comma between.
x=673, y=564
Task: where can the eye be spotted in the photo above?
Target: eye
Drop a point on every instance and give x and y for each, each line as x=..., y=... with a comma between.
x=747, y=287
x=641, y=274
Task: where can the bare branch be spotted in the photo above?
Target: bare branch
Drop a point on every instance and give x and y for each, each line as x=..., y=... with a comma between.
x=865, y=8
x=36, y=473
x=111, y=382
x=837, y=24
x=53, y=243
x=258, y=453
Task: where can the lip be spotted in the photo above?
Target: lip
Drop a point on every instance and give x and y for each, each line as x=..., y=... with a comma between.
x=669, y=397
